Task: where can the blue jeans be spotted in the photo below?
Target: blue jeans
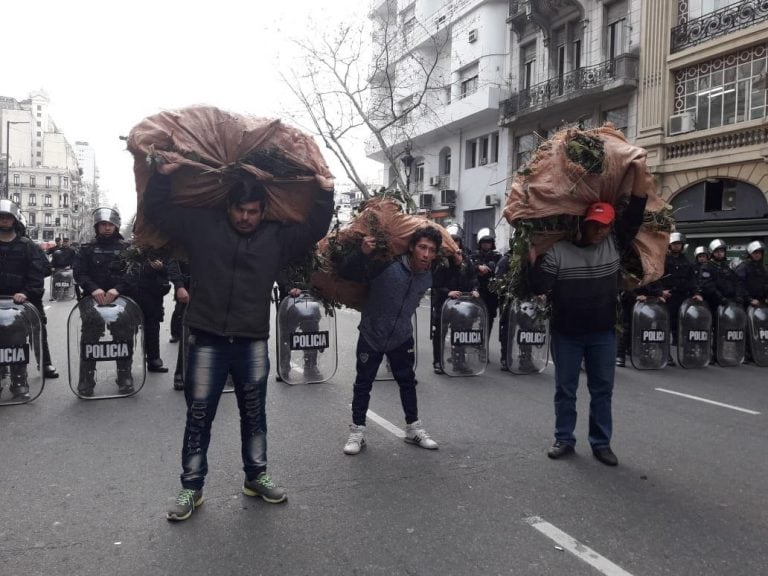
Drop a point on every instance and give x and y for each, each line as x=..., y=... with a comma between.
x=598, y=350
x=210, y=359
x=401, y=361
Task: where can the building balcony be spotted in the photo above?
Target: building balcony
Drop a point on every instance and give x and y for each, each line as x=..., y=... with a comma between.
x=481, y=105
x=611, y=77
x=718, y=23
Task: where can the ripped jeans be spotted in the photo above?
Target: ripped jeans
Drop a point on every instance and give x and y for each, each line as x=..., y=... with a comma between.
x=210, y=359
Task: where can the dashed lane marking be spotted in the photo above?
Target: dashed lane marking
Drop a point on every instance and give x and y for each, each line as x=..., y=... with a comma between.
x=582, y=552
x=705, y=400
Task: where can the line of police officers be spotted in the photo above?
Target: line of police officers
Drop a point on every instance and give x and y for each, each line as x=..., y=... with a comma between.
x=104, y=269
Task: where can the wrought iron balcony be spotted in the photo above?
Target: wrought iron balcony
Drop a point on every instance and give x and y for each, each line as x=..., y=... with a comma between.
x=718, y=23
x=572, y=85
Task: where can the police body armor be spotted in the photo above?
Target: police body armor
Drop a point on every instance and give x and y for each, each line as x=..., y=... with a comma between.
x=62, y=284
x=306, y=338
x=694, y=332
x=757, y=321
x=650, y=335
x=527, y=337
x=106, y=348
x=464, y=338
x=21, y=361
x=730, y=344
x=385, y=371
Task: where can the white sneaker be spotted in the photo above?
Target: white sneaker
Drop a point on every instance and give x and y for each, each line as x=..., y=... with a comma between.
x=415, y=434
x=356, y=440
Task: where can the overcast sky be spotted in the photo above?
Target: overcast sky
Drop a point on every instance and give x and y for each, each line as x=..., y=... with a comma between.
x=107, y=65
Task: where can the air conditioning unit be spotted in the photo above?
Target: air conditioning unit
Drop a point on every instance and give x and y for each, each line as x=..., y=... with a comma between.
x=472, y=35
x=682, y=123
x=425, y=200
x=434, y=180
x=448, y=197
x=492, y=200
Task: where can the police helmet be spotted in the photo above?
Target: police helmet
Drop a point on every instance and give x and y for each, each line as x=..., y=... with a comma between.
x=676, y=237
x=485, y=235
x=455, y=232
x=106, y=215
x=755, y=246
x=717, y=244
x=10, y=208
x=701, y=250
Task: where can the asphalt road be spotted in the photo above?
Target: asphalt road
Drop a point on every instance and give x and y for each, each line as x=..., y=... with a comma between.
x=85, y=484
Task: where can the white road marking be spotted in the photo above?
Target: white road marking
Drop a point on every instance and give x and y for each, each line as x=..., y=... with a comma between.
x=576, y=548
x=729, y=406
x=386, y=424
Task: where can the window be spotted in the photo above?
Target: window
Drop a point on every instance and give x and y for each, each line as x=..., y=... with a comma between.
x=32, y=181
x=47, y=235
x=39, y=107
x=481, y=151
x=471, y=153
x=32, y=218
x=725, y=90
x=618, y=117
x=577, y=54
x=616, y=40
x=447, y=163
x=525, y=145
x=408, y=19
x=16, y=180
x=15, y=198
x=66, y=182
x=32, y=234
x=528, y=73
x=32, y=199
x=469, y=80
x=39, y=124
x=495, y=147
x=48, y=200
x=48, y=219
x=419, y=173
x=699, y=8
x=65, y=200
x=39, y=155
x=485, y=145
x=65, y=221
x=39, y=133
x=47, y=181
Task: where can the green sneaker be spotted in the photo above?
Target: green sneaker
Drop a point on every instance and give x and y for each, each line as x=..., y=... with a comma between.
x=185, y=504
x=265, y=488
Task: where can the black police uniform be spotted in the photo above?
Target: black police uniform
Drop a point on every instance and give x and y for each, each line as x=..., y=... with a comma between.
x=679, y=278
x=491, y=259
x=102, y=265
x=755, y=278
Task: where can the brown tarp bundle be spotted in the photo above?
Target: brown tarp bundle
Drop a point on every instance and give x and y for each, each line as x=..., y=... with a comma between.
x=553, y=185
x=384, y=219
x=203, y=148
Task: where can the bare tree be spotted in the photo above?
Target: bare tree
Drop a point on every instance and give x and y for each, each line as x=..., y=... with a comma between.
x=375, y=77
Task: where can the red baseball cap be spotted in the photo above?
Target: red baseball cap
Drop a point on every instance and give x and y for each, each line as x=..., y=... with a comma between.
x=601, y=212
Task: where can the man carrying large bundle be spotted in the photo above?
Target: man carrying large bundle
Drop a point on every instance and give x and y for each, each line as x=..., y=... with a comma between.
x=235, y=251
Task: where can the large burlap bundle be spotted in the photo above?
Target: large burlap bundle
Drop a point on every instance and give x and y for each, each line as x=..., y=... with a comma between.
x=383, y=219
x=204, y=148
x=553, y=186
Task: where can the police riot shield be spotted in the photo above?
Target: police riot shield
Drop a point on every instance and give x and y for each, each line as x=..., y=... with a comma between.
x=62, y=284
x=694, y=331
x=106, y=348
x=731, y=334
x=229, y=385
x=464, y=338
x=527, y=337
x=757, y=320
x=385, y=371
x=306, y=335
x=21, y=359
x=650, y=335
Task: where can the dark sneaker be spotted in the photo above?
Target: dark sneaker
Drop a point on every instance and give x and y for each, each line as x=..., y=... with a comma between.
x=264, y=488
x=437, y=368
x=621, y=362
x=560, y=450
x=20, y=392
x=605, y=455
x=670, y=360
x=185, y=504
x=156, y=365
x=503, y=366
x=50, y=372
x=85, y=392
x=178, y=382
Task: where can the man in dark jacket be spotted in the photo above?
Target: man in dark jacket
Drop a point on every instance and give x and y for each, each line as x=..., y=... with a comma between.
x=678, y=283
x=395, y=291
x=485, y=259
x=234, y=258
x=754, y=274
x=583, y=280
x=100, y=270
x=21, y=278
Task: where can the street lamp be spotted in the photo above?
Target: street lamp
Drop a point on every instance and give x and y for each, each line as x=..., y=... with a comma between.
x=8, y=154
x=407, y=161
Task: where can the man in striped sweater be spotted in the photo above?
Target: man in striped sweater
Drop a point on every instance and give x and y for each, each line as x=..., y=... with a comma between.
x=582, y=279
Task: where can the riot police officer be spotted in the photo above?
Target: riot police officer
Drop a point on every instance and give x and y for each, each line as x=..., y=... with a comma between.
x=485, y=259
x=678, y=283
x=753, y=273
x=100, y=270
x=21, y=277
x=449, y=282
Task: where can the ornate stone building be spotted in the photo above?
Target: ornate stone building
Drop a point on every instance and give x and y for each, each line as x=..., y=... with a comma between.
x=702, y=114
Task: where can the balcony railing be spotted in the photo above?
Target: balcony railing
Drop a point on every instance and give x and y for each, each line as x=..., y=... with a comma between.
x=541, y=95
x=718, y=23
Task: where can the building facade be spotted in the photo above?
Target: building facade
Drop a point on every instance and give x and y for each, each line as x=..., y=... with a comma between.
x=458, y=167
x=41, y=172
x=702, y=114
